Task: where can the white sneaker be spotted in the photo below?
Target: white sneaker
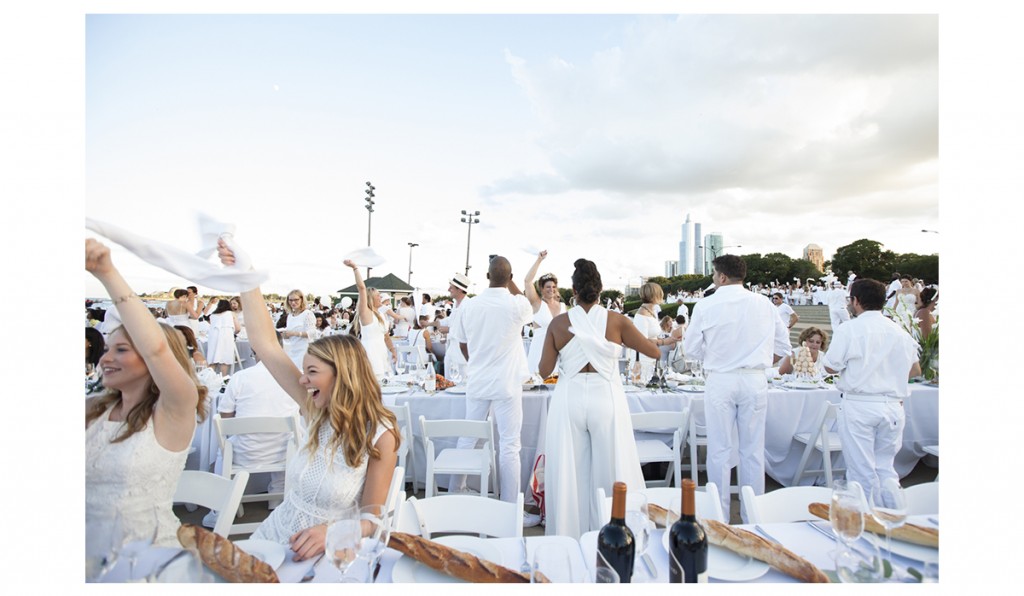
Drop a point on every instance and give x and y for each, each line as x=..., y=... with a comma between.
x=210, y=519
x=530, y=519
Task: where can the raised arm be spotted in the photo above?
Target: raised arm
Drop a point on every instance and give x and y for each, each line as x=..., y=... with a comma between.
x=263, y=338
x=363, y=309
x=531, y=289
x=178, y=392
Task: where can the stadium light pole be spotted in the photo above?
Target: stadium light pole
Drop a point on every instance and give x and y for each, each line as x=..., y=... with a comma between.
x=408, y=280
x=469, y=219
x=369, y=217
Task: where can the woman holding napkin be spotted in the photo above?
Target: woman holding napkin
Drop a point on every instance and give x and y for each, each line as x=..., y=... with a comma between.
x=369, y=326
x=589, y=439
x=546, y=306
x=351, y=450
x=138, y=433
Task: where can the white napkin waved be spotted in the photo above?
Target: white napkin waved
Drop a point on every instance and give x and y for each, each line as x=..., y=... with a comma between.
x=189, y=266
x=365, y=257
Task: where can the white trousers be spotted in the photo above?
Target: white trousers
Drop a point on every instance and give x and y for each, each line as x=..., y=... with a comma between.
x=871, y=433
x=740, y=400
x=838, y=317
x=508, y=418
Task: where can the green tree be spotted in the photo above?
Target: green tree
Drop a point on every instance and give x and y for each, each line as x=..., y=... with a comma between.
x=613, y=294
x=865, y=258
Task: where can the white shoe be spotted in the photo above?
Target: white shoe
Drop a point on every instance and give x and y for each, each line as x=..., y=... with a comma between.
x=530, y=519
x=210, y=519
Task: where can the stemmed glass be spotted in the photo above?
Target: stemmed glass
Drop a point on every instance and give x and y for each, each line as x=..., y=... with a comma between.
x=455, y=374
x=889, y=508
x=846, y=512
x=400, y=366
x=344, y=536
x=376, y=530
x=359, y=534
x=102, y=546
x=137, y=546
x=604, y=573
x=639, y=522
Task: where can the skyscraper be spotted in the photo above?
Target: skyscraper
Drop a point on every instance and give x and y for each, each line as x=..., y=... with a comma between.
x=713, y=244
x=687, y=251
x=698, y=250
x=671, y=268
x=814, y=254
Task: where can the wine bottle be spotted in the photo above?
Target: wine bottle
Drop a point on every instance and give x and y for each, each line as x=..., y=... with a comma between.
x=687, y=543
x=615, y=541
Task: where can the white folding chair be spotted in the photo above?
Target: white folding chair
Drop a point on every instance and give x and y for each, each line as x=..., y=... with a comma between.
x=413, y=355
x=822, y=439
x=286, y=427
x=396, y=497
x=922, y=499
x=932, y=450
x=787, y=504
x=477, y=462
x=696, y=437
x=406, y=451
x=706, y=500
x=462, y=514
x=213, y=492
x=655, y=450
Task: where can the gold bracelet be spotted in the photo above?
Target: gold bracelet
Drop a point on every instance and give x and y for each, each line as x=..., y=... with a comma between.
x=124, y=298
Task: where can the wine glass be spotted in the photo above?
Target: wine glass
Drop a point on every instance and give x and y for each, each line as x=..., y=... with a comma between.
x=889, y=508
x=103, y=539
x=135, y=547
x=551, y=564
x=846, y=512
x=400, y=366
x=639, y=522
x=455, y=374
x=344, y=537
x=604, y=573
x=860, y=564
x=375, y=529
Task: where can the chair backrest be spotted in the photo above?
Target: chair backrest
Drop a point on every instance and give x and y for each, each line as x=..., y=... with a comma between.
x=706, y=499
x=403, y=415
x=922, y=499
x=396, y=496
x=228, y=427
x=696, y=419
x=477, y=429
x=674, y=422
x=462, y=514
x=213, y=492
x=786, y=504
x=413, y=354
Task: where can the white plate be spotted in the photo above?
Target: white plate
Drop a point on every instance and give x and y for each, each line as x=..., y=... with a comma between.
x=917, y=552
x=457, y=389
x=726, y=565
x=796, y=385
x=632, y=389
x=409, y=570
x=269, y=552
x=691, y=388
x=393, y=389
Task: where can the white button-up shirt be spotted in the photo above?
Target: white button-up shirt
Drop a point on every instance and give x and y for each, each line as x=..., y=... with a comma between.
x=489, y=325
x=874, y=356
x=735, y=328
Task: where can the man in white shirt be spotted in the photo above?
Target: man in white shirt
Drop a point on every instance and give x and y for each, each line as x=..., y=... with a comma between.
x=786, y=312
x=458, y=286
x=254, y=392
x=875, y=357
x=488, y=329
x=838, y=305
x=737, y=334
x=426, y=309
x=890, y=292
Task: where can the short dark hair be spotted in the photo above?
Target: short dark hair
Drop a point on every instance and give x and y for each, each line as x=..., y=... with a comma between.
x=732, y=266
x=869, y=292
x=777, y=295
x=194, y=289
x=180, y=293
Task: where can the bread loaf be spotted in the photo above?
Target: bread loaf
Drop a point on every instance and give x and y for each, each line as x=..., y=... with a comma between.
x=223, y=557
x=453, y=562
x=751, y=545
x=907, y=532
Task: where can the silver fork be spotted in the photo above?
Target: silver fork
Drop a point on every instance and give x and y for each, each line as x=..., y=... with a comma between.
x=312, y=570
x=525, y=567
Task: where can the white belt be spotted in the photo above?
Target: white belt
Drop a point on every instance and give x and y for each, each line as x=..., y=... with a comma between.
x=871, y=398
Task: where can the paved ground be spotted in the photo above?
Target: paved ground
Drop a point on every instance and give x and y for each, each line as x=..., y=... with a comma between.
x=255, y=512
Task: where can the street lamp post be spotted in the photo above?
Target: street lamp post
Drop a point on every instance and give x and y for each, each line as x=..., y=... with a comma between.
x=409, y=279
x=469, y=220
x=369, y=216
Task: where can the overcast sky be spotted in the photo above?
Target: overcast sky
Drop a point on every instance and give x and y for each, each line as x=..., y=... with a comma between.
x=586, y=135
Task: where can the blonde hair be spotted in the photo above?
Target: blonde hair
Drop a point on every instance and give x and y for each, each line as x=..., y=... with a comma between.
x=810, y=332
x=138, y=417
x=302, y=302
x=355, y=407
x=372, y=298
x=651, y=293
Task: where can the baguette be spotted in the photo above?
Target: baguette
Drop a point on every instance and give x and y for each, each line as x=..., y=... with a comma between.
x=224, y=558
x=663, y=518
x=751, y=545
x=453, y=562
x=907, y=532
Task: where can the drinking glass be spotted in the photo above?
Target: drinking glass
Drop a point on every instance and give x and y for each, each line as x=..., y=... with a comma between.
x=603, y=571
x=455, y=374
x=889, y=508
x=135, y=547
x=400, y=365
x=103, y=540
x=860, y=564
x=551, y=561
x=375, y=528
x=639, y=522
x=344, y=537
x=846, y=512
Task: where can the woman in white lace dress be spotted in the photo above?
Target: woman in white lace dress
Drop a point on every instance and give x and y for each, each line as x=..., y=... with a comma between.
x=589, y=440
x=546, y=306
x=138, y=433
x=351, y=450
x=299, y=328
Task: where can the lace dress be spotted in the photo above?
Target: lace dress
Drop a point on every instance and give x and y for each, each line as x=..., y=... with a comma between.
x=588, y=442
x=317, y=490
x=543, y=318
x=130, y=477
x=372, y=338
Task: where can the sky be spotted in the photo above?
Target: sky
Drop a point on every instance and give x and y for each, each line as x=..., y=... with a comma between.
x=59, y=131
x=586, y=135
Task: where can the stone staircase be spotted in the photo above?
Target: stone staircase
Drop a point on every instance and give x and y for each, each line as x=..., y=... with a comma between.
x=810, y=316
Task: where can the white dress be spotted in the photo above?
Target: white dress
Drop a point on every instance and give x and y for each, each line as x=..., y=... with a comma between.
x=175, y=320
x=543, y=318
x=906, y=306
x=131, y=477
x=588, y=443
x=317, y=490
x=650, y=328
x=304, y=322
x=372, y=338
x=220, y=343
